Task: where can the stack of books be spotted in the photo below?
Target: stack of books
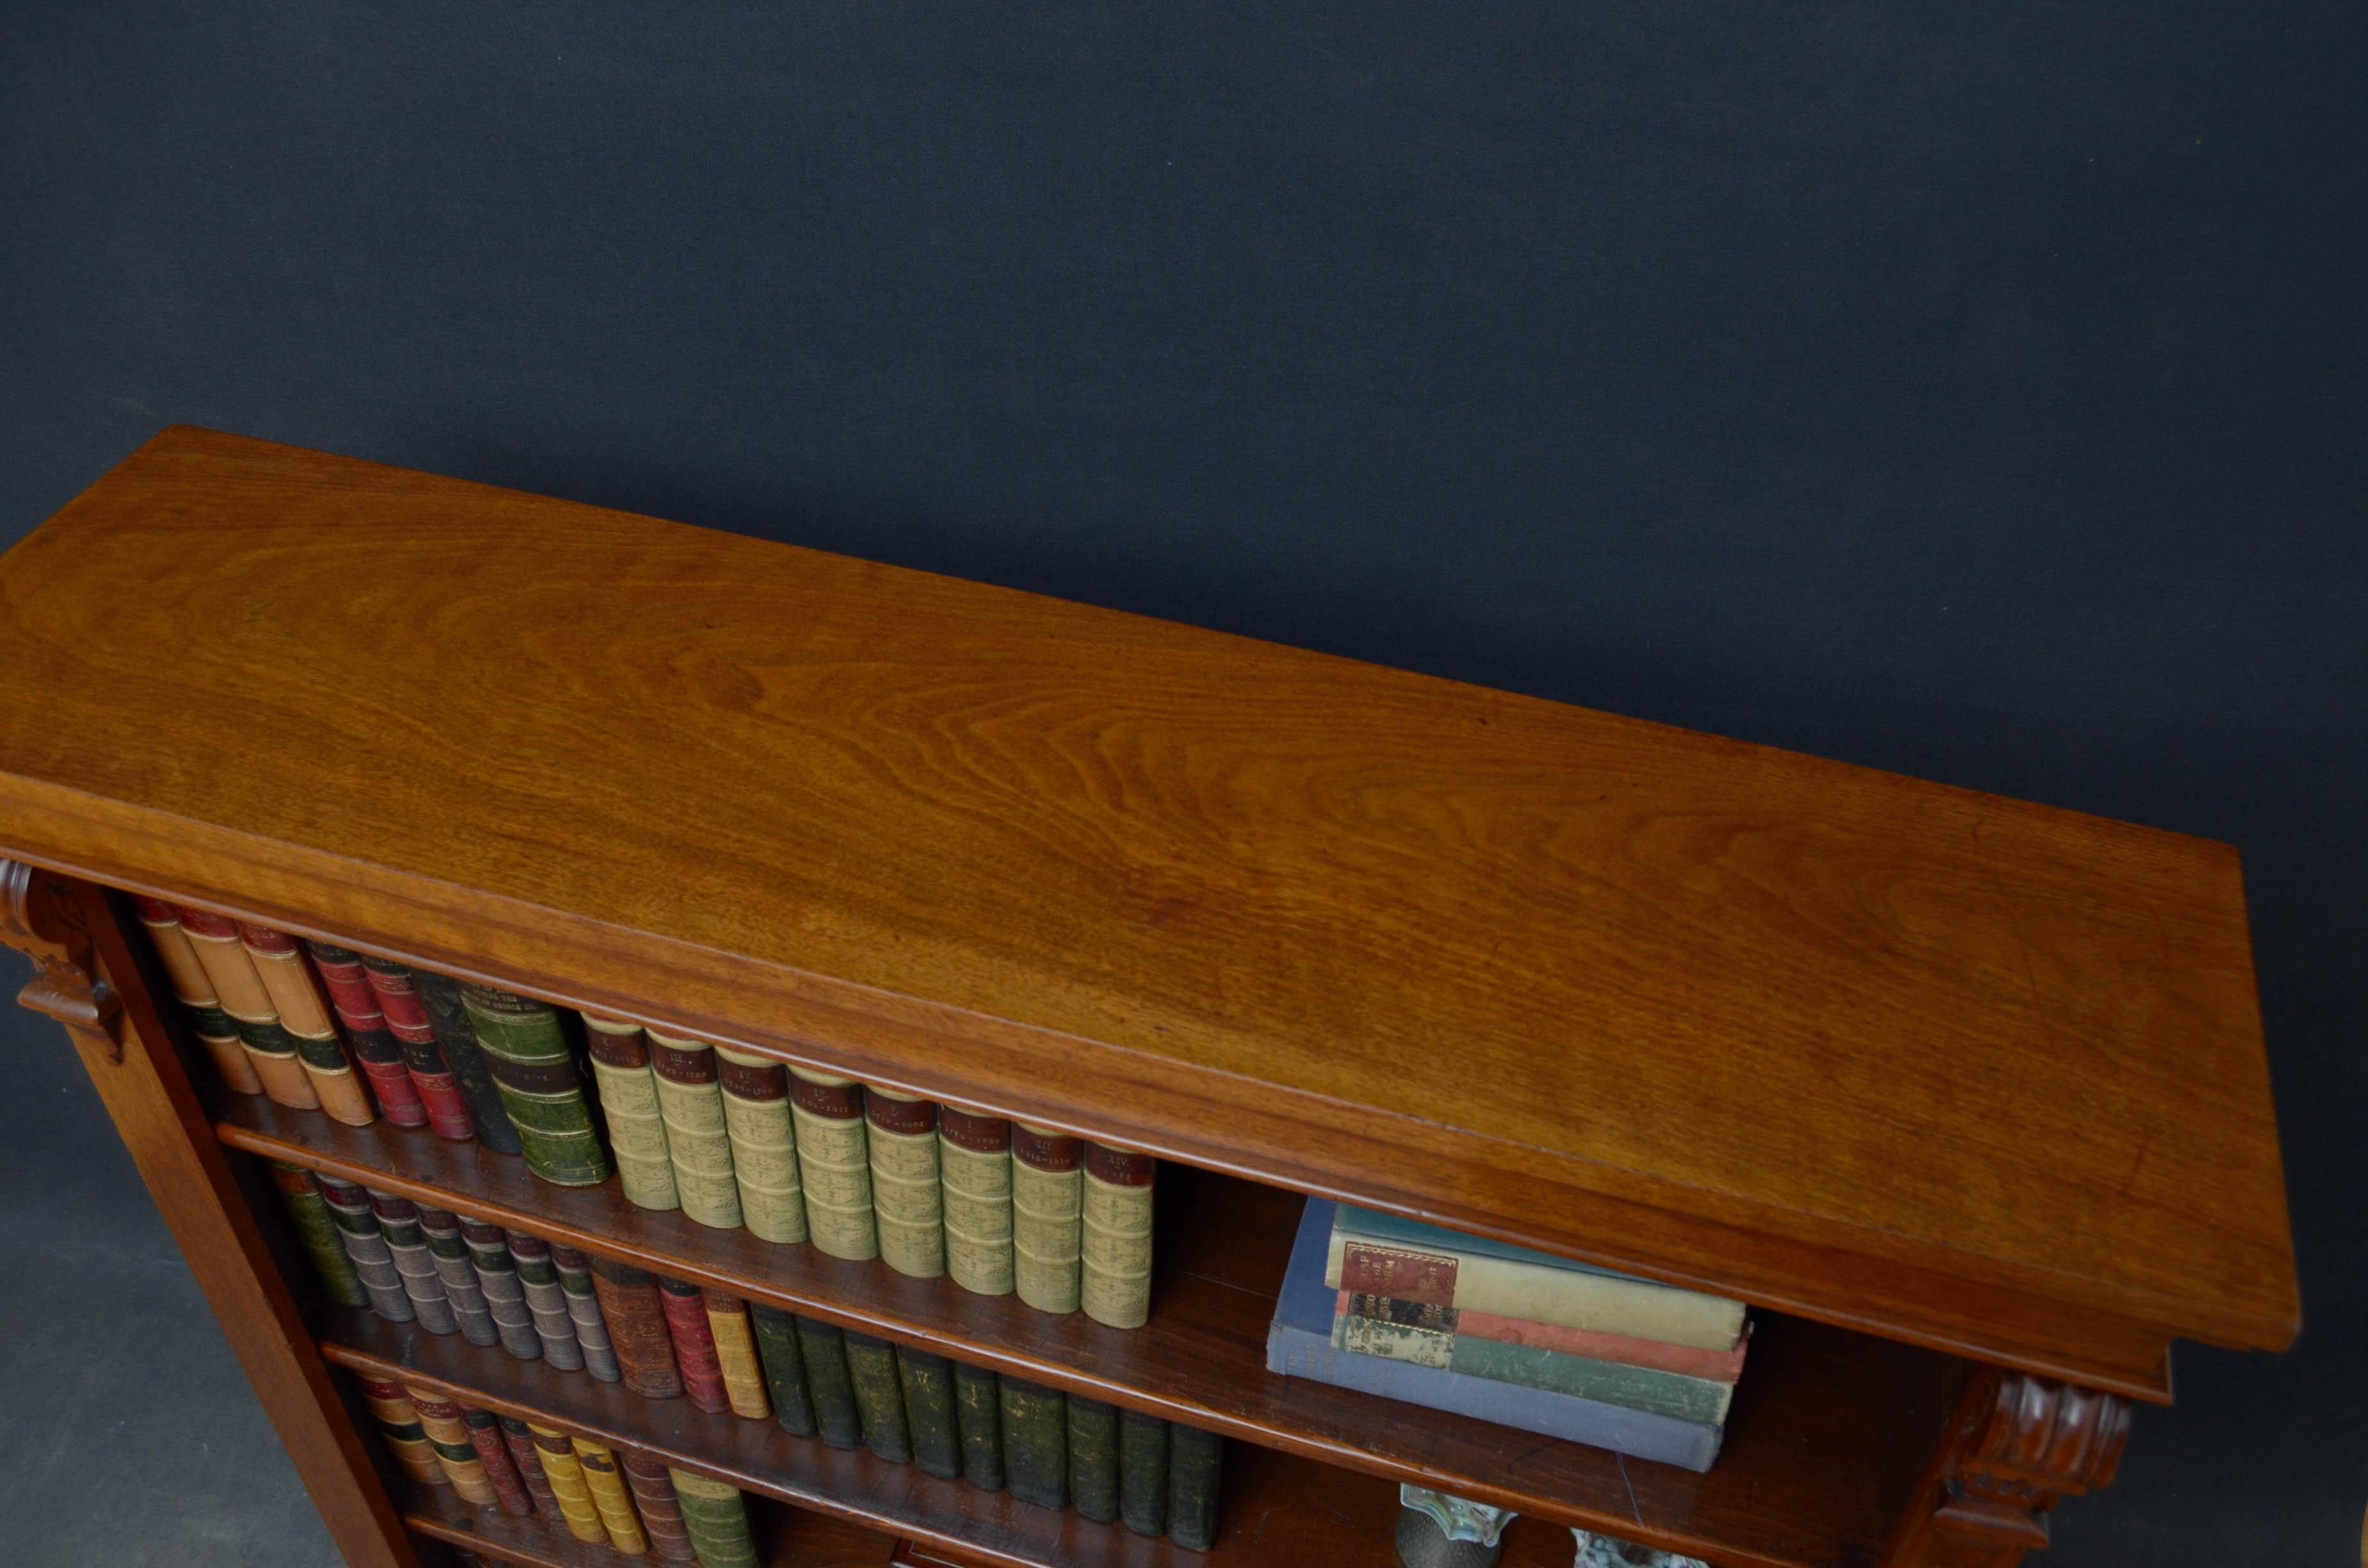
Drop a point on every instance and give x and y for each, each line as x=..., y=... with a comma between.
x=1482, y=1328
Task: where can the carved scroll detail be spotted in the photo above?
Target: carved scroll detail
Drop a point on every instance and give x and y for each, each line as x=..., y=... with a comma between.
x=2019, y=1445
x=38, y=918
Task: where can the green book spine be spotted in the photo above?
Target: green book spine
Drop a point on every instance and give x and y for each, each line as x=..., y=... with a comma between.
x=317, y=1229
x=1143, y=1472
x=1366, y=1332
x=535, y=1068
x=472, y=1074
x=1093, y=1458
x=785, y=1369
x=822, y=1348
x=1035, y=1443
x=872, y=1363
x=980, y=1419
x=1194, y=1458
x=716, y=1520
x=929, y=1379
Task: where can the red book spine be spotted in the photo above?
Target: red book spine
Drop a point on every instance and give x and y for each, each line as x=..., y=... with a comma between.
x=379, y=1053
x=637, y=1328
x=694, y=1344
x=521, y=1443
x=661, y=1510
x=501, y=1470
x=406, y=1019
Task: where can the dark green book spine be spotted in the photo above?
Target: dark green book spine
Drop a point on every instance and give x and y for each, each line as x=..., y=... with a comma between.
x=317, y=1229
x=785, y=1369
x=1035, y=1443
x=1093, y=1458
x=978, y=1415
x=716, y=1520
x=449, y=1017
x=872, y=1363
x=822, y=1348
x=535, y=1067
x=1143, y=1472
x=1194, y=1457
x=929, y=1379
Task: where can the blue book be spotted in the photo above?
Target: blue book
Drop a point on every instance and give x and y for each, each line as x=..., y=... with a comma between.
x=1299, y=1344
x=1375, y=1225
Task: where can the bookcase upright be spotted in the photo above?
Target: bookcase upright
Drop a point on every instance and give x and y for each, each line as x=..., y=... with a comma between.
x=1965, y=1097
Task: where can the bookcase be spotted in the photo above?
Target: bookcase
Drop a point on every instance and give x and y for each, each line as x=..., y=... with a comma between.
x=1967, y=1097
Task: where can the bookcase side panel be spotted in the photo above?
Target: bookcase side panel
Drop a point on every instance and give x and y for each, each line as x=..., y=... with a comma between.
x=89, y=980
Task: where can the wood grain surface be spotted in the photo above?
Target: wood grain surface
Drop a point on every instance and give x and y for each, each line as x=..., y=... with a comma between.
x=786, y=1537
x=1948, y=1066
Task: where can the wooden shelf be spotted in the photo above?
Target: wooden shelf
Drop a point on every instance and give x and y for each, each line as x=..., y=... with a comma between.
x=1278, y=1510
x=786, y=1538
x=1825, y=1447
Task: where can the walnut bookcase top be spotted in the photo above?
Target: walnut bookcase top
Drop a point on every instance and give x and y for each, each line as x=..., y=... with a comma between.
x=1938, y=1065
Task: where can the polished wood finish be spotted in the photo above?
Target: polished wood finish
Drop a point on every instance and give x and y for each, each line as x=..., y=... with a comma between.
x=89, y=979
x=1943, y=1066
x=786, y=1538
x=1830, y=1436
x=2019, y=1446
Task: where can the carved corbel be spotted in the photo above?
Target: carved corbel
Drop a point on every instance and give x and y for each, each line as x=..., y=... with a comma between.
x=2019, y=1444
x=38, y=918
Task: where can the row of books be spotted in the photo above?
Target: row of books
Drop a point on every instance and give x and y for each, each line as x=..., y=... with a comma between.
x=666, y=1339
x=632, y=1502
x=1452, y=1322
x=729, y=1137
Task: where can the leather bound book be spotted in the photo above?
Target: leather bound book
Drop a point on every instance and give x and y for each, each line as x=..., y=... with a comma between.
x=1143, y=1472
x=607, y=1483
x=308, y=1211
x=1047, y=1214
x=834, y=1162
x=355, y=1001
x=764, y=1144
x=1093, y=1458
x=538, y=1279
x=561, y=1468
x=629, y=1104
x=527, y=1047
x=1035, y=1443
x=501, y=1470
x=398, y=1421
x=1460, y=1323
x=685, y=1307
x=449, y=1433
x=366, y=1248
x=978, y=1417
x=1115, y=1276
x=822, y=1348
x=717, y=1520
x=229, y=971
x=776, y=1333
x=489, y=1254
x=304, y=1014
x=929, y=1383
x=528, y=1459
x=878, y=1396
x=472, y=1074
x=271, y=1051
x=1194, y=1460
x=736, y=1355
x=637, y=1328
x=195, y=992
x=458, y=1272
x=907, y=1200
x=661, y=1510
x=975, y=1168
x=691, y=1095
x=575, y=1287
x=398, y=1222
x=423, y=1054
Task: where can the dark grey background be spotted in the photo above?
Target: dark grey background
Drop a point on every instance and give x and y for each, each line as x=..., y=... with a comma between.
x=1971, y=391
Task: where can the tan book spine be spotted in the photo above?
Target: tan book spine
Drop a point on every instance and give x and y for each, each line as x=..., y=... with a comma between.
x=735, y=1353
x=609, y=1494
x=974, y=1167
x=398, y=1419
x=628, y=1099
x=567, y=1478
x=1047, y=1216
x=223, y=957
x=907, y=1198
x=764, y=1144
x=691, y=1094
x=1115, y=1286
x=441, y=1419
x=834, y=1162
x=303, y=1012
x=195, y=992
